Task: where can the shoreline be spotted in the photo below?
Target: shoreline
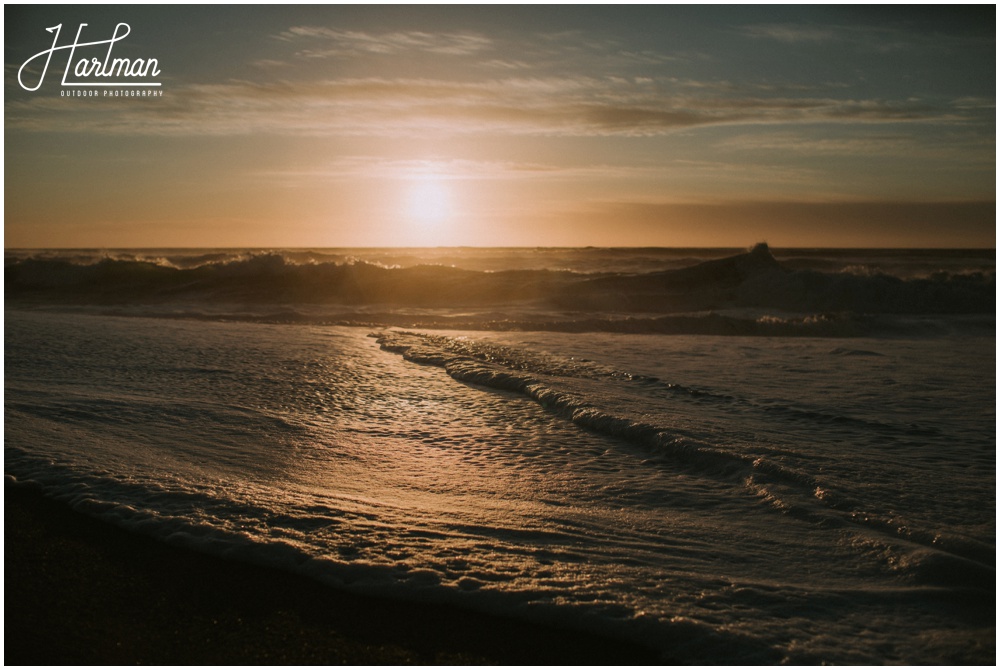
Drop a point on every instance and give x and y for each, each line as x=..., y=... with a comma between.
x=80, y=591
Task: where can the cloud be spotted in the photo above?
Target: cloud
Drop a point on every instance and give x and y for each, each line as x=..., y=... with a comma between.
x=333, y=42
x=957, y=151
x=378, y=167
x=269, y=64
x=646, y=57
x=505, y=64
x=975, y=103
x=798, y=143
x=790, y=33
x=462, y=169
x=871, y=38
x=556, y=106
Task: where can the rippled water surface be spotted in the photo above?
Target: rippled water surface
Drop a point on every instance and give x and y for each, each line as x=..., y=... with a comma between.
x=740, y=499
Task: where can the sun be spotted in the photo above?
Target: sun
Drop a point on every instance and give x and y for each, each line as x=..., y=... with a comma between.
x=429, y=203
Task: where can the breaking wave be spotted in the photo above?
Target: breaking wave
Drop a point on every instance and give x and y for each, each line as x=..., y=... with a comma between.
x=749, y=293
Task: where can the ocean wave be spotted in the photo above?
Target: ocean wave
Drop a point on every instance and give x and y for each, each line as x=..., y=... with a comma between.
x=522, y=377
x=788, y=490
x=675, y=300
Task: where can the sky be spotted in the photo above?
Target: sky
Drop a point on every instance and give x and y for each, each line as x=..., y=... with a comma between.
x=372, y=125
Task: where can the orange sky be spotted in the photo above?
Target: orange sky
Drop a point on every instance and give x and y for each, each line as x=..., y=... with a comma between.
x=554, y=126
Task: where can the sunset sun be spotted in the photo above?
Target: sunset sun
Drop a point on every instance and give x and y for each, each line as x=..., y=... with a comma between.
x=429, y=202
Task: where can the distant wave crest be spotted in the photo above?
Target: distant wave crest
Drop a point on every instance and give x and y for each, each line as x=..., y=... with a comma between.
x=703, y=298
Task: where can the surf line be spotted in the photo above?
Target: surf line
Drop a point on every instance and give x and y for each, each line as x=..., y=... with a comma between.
x=94, y=67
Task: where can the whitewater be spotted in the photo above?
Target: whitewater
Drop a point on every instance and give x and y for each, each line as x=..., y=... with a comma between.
x=764, y=456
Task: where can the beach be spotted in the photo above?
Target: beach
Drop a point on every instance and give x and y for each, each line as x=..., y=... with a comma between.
x=82, y=592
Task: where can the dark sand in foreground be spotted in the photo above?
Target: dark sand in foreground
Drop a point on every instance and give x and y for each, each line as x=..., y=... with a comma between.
x=79, y=591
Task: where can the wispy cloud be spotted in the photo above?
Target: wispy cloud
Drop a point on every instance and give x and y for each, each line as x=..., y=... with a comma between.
x=790, y=32
x=975, y=103
x=864, y=38
x=646, y=57
x=380, y=167
x=556, y=106
x=329, y=42
x=505, y=64
x=798, y=143
x=464, y=169
x=957, y=151
x=527, y=94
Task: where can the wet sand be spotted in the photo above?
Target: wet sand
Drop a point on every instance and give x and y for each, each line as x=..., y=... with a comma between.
x=79, y=591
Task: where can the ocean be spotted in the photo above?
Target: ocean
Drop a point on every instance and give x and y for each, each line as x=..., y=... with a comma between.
x=734, y=456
